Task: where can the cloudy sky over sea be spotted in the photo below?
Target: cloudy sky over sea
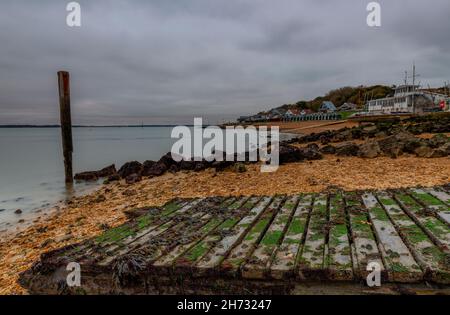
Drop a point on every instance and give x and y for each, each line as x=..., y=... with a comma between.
x=162, y=62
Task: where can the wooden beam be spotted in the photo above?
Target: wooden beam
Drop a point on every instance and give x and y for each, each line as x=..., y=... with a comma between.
x=66, y=123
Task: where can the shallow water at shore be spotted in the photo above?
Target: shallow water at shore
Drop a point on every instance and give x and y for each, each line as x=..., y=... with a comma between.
x=32, y=171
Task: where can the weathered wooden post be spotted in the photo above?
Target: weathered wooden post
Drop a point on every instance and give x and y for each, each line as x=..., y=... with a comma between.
x=66, y=123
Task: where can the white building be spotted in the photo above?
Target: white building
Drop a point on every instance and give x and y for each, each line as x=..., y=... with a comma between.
x=407, y=99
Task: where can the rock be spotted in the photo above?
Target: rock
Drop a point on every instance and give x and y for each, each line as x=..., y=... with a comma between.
x=369, y=150
x=133, y=178
x=129, y=192
x=438, y=153
x=187, y=165
x=328, y=149
x=107, y=171
x=240, y=168
x=311, y=152
x=289, y=154
x=167, y=160
x=104, y=226
x=173, y=168
x=200, y=166
x=146, y=166
x=347, y=149
x=423, y=151
x=114, y=178
x=343, y=135
x=412, y=144
x=129, y=168
x=221, y=165
x=1, y=210
x=95, y=175
x=324, y=139
x=18, y=211
x=47, y=242
x=438, y=140
x=86, y=176
x=393, y=146
x=100, y=198
x=157, y=169
x=21, y=221
x=445, y=148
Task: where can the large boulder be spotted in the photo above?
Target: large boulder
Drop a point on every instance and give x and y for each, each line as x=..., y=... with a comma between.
x=146, y=167
x=157, y=169
x=289, y=154
x=438, y=140
x=347, y=149
x=107, y=171
x=167, y=160
x=394, y=145
x=129, y=168
x=369, y=150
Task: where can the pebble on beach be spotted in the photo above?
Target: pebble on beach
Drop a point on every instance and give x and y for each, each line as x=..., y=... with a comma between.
x=18, y=211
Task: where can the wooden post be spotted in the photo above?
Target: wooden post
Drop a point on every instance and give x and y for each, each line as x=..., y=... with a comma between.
x=66, y=123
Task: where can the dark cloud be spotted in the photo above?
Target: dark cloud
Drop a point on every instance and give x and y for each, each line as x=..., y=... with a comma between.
x=167, y=61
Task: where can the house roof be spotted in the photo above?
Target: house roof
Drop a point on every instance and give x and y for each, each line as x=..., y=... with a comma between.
x=327, y=105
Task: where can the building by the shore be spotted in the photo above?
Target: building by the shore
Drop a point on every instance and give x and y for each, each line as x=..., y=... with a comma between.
x=409, y=99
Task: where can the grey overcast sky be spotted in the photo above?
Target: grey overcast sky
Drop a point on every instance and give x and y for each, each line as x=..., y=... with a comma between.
x=166, y=61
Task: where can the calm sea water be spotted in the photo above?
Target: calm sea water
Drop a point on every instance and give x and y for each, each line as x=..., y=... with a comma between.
x=32, y=169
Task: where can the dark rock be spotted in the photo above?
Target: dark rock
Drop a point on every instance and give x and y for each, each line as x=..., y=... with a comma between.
x=146, y=166
x=129, y=192
x=187, y=165
x=240, y=168
x=221, y=165
x=328, y=149
x=393, y=146
x=289, y=154
x=107, y=171
x=167, y=160
x=325, y=139
x=412, y=144
x=133, y=178
x=200, y=166
x=87, y=176
x=347, y=149
x=114, y=178
x=173, y=168
x=18, y=211
x=157, y=169
x=438, y=140
x=95, y=175
x=100, y=198
x=313, y=146
x=129, y=168
x=369, y=150
x=311, y=153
